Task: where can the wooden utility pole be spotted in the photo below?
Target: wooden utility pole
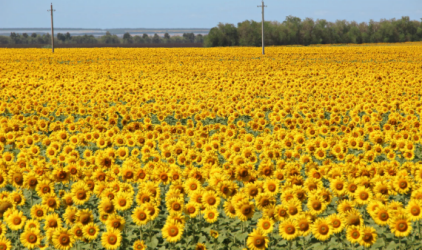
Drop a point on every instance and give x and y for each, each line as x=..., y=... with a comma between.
x=52, y=27
x=263, y=6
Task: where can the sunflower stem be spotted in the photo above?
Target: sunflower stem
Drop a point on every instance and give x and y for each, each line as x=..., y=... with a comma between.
x=303, y=243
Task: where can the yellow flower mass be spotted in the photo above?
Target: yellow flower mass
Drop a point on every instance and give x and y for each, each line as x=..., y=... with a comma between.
x=149, y=148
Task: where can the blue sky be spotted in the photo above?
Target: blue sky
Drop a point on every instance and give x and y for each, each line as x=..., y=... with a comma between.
x=193, y=13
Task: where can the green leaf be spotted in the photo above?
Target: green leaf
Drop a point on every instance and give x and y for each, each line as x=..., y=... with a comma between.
x=241, y=236
x=379, y=243
x=392, y=246
x=153, y=243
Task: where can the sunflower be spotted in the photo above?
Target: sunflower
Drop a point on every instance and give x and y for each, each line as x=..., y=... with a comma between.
x=172, y=232
x=122, y=201
x=116, y=222
x=192, y=209
x=363, y=195
x=252, y=190
x=353, y=218
x=214, y=234
x=200, y=246
x=80, y=193
x=257, y=240
x=304, y=224
x=3, y=229
x=337, y=221
x=338, y=185
x=15, y=220
x=30, y=238
x=84, y=216
x=229, y=209
x=32, y=224
x=52, y=221
x=106, y=206
x=345, y=205
x=90, y=231
x=264, y=200
x=354, y=234
x=414, y=210
x=45, y=187
x=281, y=212
x=369, y=236
x=210, y=215
x=271, y=186
x=70, y=215
x=139, y=245
x=210, y=200
x=402, y=184
x=316, y=204
x=400, y=225
x=266, y=224
x=141, y=216
x=63, y=239
x=322, y=229
x=77, y=231
x=5, y=244
x=381, y=215
x=245, y=210
x=111, y=239
x=289, y=229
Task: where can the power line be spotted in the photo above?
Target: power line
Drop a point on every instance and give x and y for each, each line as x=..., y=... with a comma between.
x=263, y=6
x=52, y=27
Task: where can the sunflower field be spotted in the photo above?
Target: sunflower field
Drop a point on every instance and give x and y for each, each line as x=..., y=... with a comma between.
x=211, y=148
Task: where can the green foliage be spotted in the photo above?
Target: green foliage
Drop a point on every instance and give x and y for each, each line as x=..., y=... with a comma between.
x=305, y=32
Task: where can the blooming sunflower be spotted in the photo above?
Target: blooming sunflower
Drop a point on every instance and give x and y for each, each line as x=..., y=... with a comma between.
x=139, y=245
x=5, y=243
x=210, y=215
x=400, y=225
x=354, y=234
x=289, y=229
x=414, y=210
x=141, y=216
x=322, y=229
x=63, y=239
x=266, y=224
x=16, y=220
x=369, y=236
x=172, y=231
x=257, y=240
x=111, y=239
x=30, y=238
x=90, y=231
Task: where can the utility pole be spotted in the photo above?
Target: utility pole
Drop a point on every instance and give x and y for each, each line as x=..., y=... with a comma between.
x=52, y=27
x=263, y=6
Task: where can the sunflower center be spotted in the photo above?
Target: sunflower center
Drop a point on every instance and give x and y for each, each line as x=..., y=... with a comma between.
x=293, y=210
x=81, y=194
x=259, y=241
x=364, y=195
x=91, y=231
x=32, y=238
x=173, y=231
x=142, y=216
x=353, y=187
x=383, y=216
x=112, y=240
x=316, y=205
x=122, y=203
x=85, y=219
x=415, y=211
x=17, y=221
x=403, y=184
x=336, y=223
x=46, y=190
x=108, y=208
x=290, y=229
x=176, y=206
x=282, y=212
x=303, y=226
x=323, y=229
x=211, y=215
x=246, y=209
x=339, y=186
x=64, y=239
x=367, y=237
x=52, y=224
x=355, y=234
x=39, y=213
x=402, y=226
x=271, y=187
x=266, y=225
x=116, y=224
x=211, y=201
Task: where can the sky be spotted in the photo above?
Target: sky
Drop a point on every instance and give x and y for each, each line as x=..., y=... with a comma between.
x=193, y=13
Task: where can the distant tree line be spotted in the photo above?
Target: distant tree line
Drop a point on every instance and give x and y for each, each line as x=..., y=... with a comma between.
x=304, y=32
x=108, y=38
